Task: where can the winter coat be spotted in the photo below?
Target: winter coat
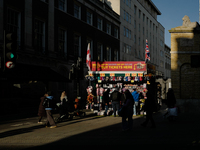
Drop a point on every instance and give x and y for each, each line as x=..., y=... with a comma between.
x=127, y=108
x=41, y=110
x=49, y=103
x=115, y=96
x=171, y=100
x=106, y=97
x=135, y=96
x=150, y=104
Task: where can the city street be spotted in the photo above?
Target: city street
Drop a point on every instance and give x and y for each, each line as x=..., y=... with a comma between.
x=99, y=132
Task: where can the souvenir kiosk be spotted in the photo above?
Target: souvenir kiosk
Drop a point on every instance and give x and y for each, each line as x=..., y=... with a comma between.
x=115, y=74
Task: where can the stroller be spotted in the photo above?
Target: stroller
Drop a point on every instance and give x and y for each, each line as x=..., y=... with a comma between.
x=64, y=111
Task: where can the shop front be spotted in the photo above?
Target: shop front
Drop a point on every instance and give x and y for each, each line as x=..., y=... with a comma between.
x=119, y=75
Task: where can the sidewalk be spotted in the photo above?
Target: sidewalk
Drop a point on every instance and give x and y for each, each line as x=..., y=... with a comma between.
x=98, y=132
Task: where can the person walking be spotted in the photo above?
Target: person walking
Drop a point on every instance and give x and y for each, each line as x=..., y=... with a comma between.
x=115, y=97
x=127, y=111
x=106, y=100
x=136, y=104
x=49, y=105
x=171, y=102
x=63, y=105
x=41, y=109
x=149, y=107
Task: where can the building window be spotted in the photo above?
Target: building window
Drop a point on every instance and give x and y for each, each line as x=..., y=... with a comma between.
x=62, y=5
x=62, y=43
x=143, y=30
x=134, y=24
x=115, y=55
x=108, y=28
x=77, y=45
x=14, y=24
x=99, y=23
x=100, y=52
x=135, y=9
x=39, y=36
x=116, y=32
x=139, y=27
x=139, y=41
x=77, y=11
x=139, y=13
x=124, y=48
x=108, y=54
x=89, y=17
x=127, y=33
x=147, y=21
x=143, y=17
x=135, y=39
x=128, y=3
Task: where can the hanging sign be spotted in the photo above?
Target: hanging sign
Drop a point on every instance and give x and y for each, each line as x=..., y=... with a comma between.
x=119, y=66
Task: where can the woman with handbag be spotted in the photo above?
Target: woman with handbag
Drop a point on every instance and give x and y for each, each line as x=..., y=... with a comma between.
x=127, y=111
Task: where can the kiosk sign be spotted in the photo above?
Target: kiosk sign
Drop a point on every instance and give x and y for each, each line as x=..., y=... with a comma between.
x=119, y=66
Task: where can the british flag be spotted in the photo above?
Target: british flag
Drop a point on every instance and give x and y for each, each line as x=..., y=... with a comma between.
x=147, y=53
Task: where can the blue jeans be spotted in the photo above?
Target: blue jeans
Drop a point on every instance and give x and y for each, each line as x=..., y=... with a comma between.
x=135, y=108
x=106, y=109
x=115, y=106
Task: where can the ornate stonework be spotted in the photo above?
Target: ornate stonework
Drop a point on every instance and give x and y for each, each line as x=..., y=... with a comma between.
x=188, y=23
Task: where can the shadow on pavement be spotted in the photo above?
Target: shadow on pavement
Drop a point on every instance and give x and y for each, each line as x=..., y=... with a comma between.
x=181, y=134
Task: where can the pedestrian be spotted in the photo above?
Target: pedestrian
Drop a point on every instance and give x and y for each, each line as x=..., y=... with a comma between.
x=136, y=104
x=171, y=102
x=63, y=105
x=115, y=97
x=149, y=107
x=127, y=111
x=41, y=110
x=106, y=100
x=49, y=104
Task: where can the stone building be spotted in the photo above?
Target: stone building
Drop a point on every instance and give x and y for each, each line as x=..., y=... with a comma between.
x=52, y=35
x=185, y=64
x=139, y=22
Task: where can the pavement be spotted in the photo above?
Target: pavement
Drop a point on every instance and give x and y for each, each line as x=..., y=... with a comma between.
x=99, y=132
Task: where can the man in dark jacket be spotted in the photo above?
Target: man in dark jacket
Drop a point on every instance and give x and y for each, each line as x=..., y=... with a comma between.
x=106, y=100
x=49, y=105
x=115, y=97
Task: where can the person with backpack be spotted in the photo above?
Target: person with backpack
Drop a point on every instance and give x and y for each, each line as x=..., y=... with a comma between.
x=115, y=97
x=49, y=104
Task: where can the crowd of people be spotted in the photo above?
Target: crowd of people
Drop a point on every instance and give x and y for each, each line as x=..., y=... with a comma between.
x=125, y=103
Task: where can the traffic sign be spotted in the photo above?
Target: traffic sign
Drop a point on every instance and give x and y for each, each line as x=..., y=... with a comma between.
x=10, y=65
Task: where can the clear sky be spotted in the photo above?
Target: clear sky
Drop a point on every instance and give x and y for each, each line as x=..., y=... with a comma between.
x=172, y=12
